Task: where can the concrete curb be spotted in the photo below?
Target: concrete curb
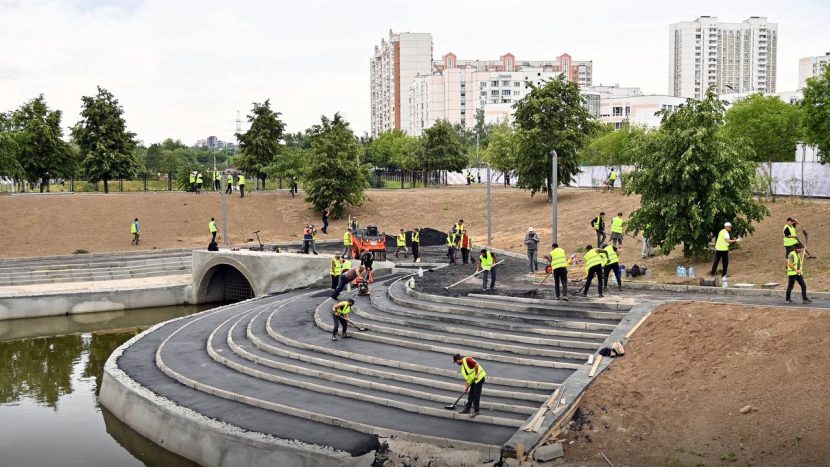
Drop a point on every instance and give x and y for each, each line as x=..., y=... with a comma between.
x=552, y=303
x=740, y=292
x=201, y=439
x=447, y=350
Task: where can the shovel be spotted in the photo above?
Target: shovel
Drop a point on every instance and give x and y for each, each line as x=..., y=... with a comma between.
x=548, y=270
x=452, y=407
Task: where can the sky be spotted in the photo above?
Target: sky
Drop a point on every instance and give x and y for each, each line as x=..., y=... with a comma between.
x=182, y=69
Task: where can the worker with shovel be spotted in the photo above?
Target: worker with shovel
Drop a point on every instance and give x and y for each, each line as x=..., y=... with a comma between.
x=474, y=375
x=340, y=316
x=559, y=267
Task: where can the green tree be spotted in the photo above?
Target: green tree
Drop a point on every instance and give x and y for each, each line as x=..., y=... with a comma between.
x=609, y=147
x=442, y=148
x=816, y=105
x=41, y=151
x=501, y=151
x=334, y=175
x=107, y=148
x=9, y=166
x=691, y=180
x=386, y=148
x=552, y=116
x=260, y=144
x=768, y=125
x=290, y=164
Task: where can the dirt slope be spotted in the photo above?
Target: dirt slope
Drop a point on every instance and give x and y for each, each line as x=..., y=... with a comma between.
x=676, y=397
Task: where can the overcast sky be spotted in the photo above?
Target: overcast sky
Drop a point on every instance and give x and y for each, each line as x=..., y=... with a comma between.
x=182, y=69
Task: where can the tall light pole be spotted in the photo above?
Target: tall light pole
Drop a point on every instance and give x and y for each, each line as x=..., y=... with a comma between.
x=489, y=198
x=554, y=188
x=803, y=156
x=223, y=186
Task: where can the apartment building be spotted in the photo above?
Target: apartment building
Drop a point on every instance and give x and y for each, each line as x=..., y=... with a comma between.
x=637, y=110
x=809, y=67
x=732, y=57
x=395, y=63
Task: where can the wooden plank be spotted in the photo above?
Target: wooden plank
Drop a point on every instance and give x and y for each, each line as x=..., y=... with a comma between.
x=596, y=365
x=642, y=320
x=535, y=421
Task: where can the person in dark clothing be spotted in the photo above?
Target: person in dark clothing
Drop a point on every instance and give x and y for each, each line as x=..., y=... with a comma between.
x=345, y=278
x=466, y=244
x=367, y=259
x=613, y=265
x=593, y=266
x=795, y=265
x=416, y=245
x=598, y=223
x=325, y=221
x=340, y=317
x=474, y=376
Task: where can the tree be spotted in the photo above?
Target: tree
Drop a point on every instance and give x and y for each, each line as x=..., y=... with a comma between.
x=9, y=166
x=501, y=152
x=609, y=147
x=816, y=106
x=386, y=148
x=691, y=180
x=442, y=148
x=552, y=116
x=334, y=175
x=107, y=148
x=769, y=126
x=289, y=164
x=41, y=151
x=260, y=144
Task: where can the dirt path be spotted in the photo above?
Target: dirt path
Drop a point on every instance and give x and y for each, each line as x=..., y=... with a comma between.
x=676, y=397
x=59, y=224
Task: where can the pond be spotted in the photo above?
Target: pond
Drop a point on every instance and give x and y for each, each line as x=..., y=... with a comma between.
x=49, y=383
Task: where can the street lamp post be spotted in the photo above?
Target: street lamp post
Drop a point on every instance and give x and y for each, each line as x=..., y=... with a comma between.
x=554, y=188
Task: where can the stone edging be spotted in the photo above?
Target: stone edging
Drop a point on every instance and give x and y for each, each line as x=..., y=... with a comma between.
x=736, y=291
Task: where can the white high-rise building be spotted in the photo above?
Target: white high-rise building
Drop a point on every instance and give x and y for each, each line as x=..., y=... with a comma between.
x=732, y=57
x=395, y=64
x=809, y=67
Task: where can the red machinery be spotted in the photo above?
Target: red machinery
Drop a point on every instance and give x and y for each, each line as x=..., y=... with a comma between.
x=369, y=239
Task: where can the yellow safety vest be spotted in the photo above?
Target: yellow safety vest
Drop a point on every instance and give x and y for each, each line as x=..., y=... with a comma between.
x=336, y=268
x=402, y=239
x=789, y=230
x=459, y=228
x=721, y=244
x=133, y=228
x=617, y=225
x=192, y=178
x=612, y=255
x=450, y=239
x=217, y=176
x=796, y=260
x=470, y=373
x=347, y=238
x=416, y=237
x=241, y=180
x=596, y=223
x=212, y=226
x=613, y=176
x=346, y=266
x=592, y=258
x=199, y=178
x=345, y=310
x=558, y=258
x=230, y=179
x=486, y=262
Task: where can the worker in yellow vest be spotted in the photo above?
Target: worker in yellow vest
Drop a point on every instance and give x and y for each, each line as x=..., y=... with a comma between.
x=459, y=227
x=452, y=243
x=340, y=316
x=213, y=229
x=617, y=229
x=593, y=267
x=335, y=271
x=790, y=236
x=558, y=260
x=400, y=241
x=199, y=182
x=795, y=273
x=229, y=188
x=192, y=180
x=613, y=265
x=722, y=249
x=217, y=180
x=612, y=178
x=241, y=184
x=487, y=264
x=416, y=244
x=135, y=229
x=347, y=243
x=474, y=376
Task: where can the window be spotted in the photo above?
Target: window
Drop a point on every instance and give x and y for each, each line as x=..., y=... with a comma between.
x=494, y=83
x=506, y=101
x=505, y=83
x=517, y=83
x=505, y=92
x=517, y=93
x=627, y=111
x=494, y=92
x=617, y=125
x=483, y=93
x=617, y=111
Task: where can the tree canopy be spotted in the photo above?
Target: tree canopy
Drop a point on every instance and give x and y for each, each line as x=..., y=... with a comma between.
x=816, y=106
x=442, y=148
x=501, y=150
x=334, y=176
x=107, y=149
x=609, y=147
x=41, y=151
x=769, y=126
x=552, y=116
x=691, y=180
x=387, y=148
x=9, y=167
x=259, y=146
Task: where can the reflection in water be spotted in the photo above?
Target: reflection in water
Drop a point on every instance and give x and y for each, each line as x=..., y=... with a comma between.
x=49, y=388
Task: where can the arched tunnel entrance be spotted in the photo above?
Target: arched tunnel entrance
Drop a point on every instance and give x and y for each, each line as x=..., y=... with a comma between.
x=224, y=283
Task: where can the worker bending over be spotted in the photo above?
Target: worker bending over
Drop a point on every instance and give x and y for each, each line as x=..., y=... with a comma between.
x=340, y=316
x=474, y=376
x=346, y=278
x=593, y=267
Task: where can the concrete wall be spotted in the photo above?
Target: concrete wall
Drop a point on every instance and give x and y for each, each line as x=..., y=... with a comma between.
x=266, y=272
x=86, y=301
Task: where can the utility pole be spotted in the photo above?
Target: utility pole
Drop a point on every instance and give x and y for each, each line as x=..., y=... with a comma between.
x=223, y=186
x=554, y=188
x=489, y=198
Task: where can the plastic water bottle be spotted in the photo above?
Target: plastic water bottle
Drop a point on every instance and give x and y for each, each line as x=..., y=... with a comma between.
x=691, y=272
x=420, y=272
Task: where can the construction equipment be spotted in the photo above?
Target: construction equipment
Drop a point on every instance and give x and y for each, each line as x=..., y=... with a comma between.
x=369, y=239
x=452, y=407
x=469, y=277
